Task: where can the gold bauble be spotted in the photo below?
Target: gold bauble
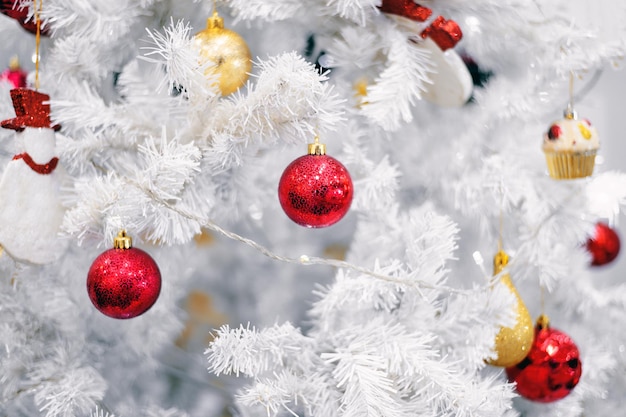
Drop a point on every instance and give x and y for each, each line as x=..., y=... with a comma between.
x=512, y=343
x=226, y=53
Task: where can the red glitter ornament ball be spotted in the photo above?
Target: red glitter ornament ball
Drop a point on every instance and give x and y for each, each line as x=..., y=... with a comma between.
x=604, y=246
x=14, y=74
x=552, y=368
x=123, y=282
x=315, y=191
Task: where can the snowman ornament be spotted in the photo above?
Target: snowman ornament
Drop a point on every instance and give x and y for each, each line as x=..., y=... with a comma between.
x=451, y=82
x=30, y=207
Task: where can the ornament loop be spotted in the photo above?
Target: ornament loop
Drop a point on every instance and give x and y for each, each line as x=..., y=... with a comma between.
x=122, y=241
x=14, y=63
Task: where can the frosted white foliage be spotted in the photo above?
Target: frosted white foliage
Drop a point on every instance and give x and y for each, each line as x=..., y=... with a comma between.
x=606, y=193
x=355, y=10
x=269, y=10
x=363, y=377
x=160, y=412
x=77, y=391
x=277, y=396
x=92, y=19
x=376, y=365
x=247, y=351
x=289, y=102
x=398, y=87
x=390, y=312
x=379, y=186
x=149, y=412
x=174, y=50
x=168, y=166
x=356, y=47
x=98, y=412
x=124, y=122
x=76, y=55
x=284, y=99
x=374, y=370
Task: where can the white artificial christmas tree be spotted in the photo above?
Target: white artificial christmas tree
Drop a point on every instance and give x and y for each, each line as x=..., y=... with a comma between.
x=394, y=310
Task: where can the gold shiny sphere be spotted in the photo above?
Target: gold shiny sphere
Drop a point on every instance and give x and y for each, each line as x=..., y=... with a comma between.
x=226, y=53
x=512, y=343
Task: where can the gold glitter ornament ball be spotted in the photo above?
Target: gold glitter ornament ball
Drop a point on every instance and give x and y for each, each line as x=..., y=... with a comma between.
x=226, y=53
x=512, y=343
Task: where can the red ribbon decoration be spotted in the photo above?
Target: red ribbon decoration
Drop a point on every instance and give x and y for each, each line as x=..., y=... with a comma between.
x=445, y=33
x=44, y=169
x=406, y=8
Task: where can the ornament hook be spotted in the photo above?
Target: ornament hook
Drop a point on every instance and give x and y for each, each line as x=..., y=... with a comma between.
x=570, y=113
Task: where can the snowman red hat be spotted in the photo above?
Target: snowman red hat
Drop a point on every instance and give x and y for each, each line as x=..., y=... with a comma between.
x=32, y=109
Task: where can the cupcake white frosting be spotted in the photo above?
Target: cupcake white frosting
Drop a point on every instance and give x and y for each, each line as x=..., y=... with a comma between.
x=571, y=135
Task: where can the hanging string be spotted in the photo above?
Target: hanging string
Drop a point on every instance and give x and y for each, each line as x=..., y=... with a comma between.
x=542, y=307
x=38, y=6
x=570, y=114
x=304, y=259
x=501, y=226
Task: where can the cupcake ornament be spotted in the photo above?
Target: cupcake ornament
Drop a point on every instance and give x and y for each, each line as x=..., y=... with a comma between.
x=571, y=144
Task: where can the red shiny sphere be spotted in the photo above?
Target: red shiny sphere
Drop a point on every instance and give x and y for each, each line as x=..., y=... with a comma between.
x=604, y=246
x=315, y=191
x=17, y=78
x=123, y=283
x=551, y=370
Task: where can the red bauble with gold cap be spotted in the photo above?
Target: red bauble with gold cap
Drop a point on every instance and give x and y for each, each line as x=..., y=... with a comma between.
x=604, y=246
x=14, y=74
x=552, y=368
x=315, y=190
x=123, y=282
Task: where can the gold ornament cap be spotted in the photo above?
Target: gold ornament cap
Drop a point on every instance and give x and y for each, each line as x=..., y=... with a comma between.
x=14, y=63
x=500, y=260
x=543, y=322
x=122, y=241
x=215, y=22
x=569, y=113
x=316, y=148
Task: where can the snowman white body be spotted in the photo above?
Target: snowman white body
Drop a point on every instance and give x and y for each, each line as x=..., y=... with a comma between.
x=30, y=207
